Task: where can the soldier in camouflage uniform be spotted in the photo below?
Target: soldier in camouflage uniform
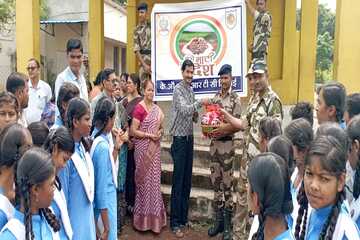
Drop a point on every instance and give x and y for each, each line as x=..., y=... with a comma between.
x=240, y=219
x=261, y=30
x=142, y=44
x=264, y=103
x=222, y=156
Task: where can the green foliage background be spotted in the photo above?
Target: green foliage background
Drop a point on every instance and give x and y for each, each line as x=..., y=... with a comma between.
x=7, y=13
x=325, y=43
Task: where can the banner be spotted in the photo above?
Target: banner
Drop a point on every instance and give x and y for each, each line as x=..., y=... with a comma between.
x=210, y=33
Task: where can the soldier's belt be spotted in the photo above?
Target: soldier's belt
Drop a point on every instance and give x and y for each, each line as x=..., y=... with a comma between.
x=224, y=139
x=258, y=54
x=145, y=51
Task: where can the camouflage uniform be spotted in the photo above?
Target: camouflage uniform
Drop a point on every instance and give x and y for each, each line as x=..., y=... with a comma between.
x=222, y=155
x=142, y=44
x=262, y=33
x=259, y=107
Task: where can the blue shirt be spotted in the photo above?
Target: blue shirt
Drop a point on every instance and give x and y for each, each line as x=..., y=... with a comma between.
x=104, y=183
x=58, y=122
x=343, y=125
x=80, y=209
x=41, y=229
x=287, y=235
x=3, y=217
x=317, y=220
x=105, y=188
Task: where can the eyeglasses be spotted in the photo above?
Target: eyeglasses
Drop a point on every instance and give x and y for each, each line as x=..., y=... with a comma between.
x=31, y=68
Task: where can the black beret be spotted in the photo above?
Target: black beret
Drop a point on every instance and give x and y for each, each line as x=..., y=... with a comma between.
x=142, y=6
x=225, y=69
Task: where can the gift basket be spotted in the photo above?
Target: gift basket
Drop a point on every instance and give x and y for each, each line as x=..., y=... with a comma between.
x=211, y=119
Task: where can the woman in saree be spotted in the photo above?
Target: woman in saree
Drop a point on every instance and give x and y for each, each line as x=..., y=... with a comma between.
x=129, y=102
x=149, y=210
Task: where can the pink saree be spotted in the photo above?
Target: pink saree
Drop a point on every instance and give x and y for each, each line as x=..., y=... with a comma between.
x=149, y=211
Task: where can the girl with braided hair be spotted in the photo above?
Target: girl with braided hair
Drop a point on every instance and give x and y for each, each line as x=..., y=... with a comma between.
x=280, y=146
x=269, y=128
x=35, y=181
x=353, y=131
x=300, y=134
x=61, y=146
x=330, y=105
x=269, y=196
x=334, y=130
x=77, y=178
x=104, y=151
x=67, y=92
x=14, y=141
x=323, y=191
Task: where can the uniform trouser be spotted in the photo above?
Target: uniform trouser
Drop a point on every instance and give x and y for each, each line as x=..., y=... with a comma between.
x=241, y=217
x=221, y=176
x=182, y=154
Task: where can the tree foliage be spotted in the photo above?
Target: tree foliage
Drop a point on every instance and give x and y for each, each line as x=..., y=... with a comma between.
x=7, y=13
x=121, y=2
x=325, y=44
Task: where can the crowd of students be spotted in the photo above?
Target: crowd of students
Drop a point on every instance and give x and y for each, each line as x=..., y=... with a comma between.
x=64, y=179
x=63, y=176
x=318, y=196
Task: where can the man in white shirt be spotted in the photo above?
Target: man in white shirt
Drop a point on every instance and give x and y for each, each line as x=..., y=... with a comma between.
x=39, y=92
x=17, y=84
x=74, y=51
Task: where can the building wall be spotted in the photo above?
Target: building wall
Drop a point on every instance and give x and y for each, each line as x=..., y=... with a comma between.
x=68, y=9
x=53, y=48
x=115, y=23
x=7, y=56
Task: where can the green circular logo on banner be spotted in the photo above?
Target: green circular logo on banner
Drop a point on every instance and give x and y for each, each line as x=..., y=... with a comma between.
x=198, y=38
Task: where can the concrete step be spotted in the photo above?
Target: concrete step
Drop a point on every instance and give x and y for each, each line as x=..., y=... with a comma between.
x=201, y=157
x=200, y=206
x=200, y=177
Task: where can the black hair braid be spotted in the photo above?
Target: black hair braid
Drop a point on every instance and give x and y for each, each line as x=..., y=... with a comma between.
x=51, y=219
x=17, y=190
x=330, y=224
x=259, y=235
x=105, y=121
x=102, y=116
x=57, y=183
x=49, y=145
x=301, y=221
x=25, y=190
x=356, y=188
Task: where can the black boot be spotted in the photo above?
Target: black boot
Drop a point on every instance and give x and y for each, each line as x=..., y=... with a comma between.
x=218, y=226
x=227, y=235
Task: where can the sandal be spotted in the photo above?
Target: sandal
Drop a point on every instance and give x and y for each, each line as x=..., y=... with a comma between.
x=178, y=233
